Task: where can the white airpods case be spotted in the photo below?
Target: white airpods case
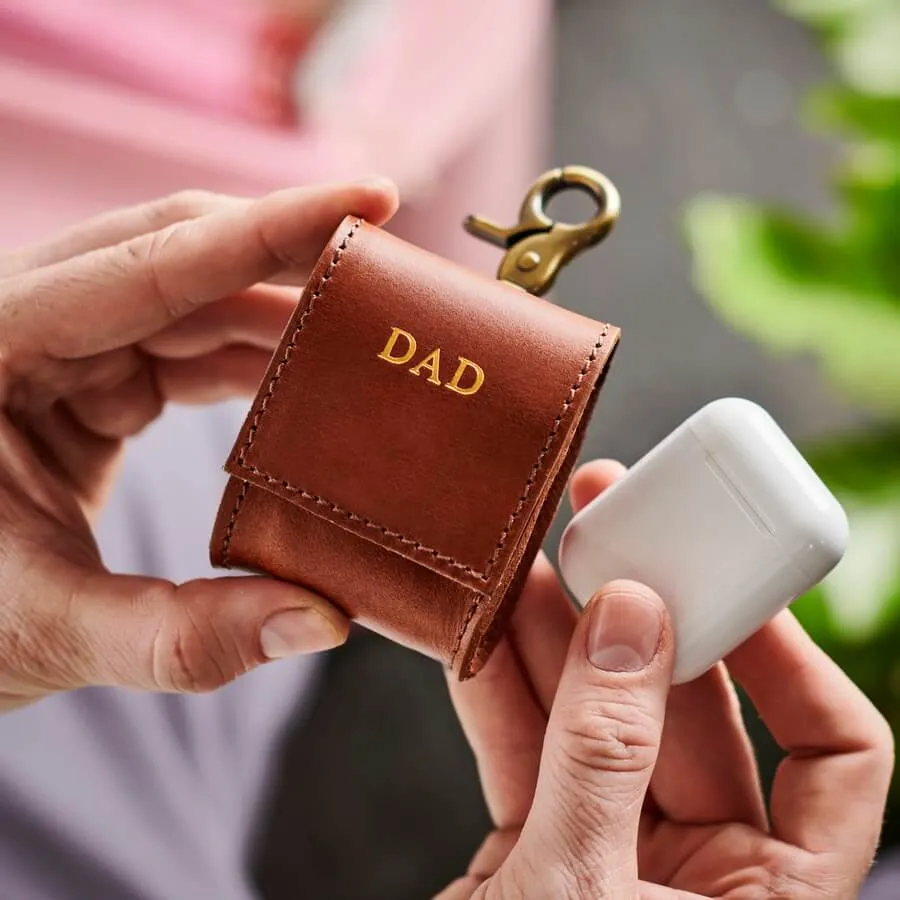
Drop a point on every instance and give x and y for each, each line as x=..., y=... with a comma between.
x=724, y=519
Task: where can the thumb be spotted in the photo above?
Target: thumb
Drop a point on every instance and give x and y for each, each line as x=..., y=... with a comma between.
x=601, y=746
x=150, y=634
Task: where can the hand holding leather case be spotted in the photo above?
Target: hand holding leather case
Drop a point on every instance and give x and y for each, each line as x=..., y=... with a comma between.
x=410, y=443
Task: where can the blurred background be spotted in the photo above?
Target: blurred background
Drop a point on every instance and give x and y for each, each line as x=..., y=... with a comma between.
x=756, y=146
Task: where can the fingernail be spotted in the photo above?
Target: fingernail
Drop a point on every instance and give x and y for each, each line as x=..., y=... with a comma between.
x=297, y=631
x=624, y=632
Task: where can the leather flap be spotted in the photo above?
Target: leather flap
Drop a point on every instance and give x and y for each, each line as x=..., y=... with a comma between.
x=420, y=405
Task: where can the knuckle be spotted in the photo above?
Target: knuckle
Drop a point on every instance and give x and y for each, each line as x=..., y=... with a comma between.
x=186, y=204
x=575, y=872
x=785, y=873
x=40, y=648
x=615, y=734
x=147, y=255
x=882, y=741
x=280, y=254
x=584, y=881
x=190, y=654
x=803, y=876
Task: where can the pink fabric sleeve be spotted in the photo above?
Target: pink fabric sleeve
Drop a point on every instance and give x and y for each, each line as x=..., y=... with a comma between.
x=414, y=107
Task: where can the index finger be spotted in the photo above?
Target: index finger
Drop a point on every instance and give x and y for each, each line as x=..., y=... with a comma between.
x=544, y=618
x=115, y=226
x=119, y=295
x=504, y=726
x=830, y=792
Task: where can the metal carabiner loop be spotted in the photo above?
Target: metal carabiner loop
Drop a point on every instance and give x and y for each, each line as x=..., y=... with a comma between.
x=537, y=246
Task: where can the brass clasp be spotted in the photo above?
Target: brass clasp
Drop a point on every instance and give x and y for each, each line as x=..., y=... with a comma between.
x=537, y=247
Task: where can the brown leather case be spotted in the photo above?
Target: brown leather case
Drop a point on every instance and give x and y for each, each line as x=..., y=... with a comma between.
x=410, y=443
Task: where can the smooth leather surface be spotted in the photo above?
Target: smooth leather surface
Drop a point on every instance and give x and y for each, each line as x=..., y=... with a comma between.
x=416, y=509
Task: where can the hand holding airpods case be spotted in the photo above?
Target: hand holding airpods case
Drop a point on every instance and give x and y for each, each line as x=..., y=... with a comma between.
x=724, y=519
x=411, y=441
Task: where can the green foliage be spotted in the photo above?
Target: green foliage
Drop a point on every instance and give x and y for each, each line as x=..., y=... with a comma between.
x=831, y=289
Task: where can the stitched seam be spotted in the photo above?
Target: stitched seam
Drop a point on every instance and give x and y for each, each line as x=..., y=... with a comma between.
x=354, y=517
x=273, y=384
x=539, y=462
x=477, y=597
x=229, y=531
x=292, y=343
x=529, y=484
x=418, y=545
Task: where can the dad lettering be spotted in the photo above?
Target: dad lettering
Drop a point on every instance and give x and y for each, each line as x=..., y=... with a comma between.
x=401, y=348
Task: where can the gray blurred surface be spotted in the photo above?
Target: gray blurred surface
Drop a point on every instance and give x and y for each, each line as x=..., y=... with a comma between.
x=673, y=99
x=670, y=98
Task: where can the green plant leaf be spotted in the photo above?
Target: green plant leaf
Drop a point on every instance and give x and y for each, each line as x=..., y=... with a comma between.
x=865, y=466
x=841, y=109
x=863, y=593
x=797, y=288
x=814, y=612
x=821, y=13
x=835, y=292
x=862, y=596
x=871, y=195
x=866, y=49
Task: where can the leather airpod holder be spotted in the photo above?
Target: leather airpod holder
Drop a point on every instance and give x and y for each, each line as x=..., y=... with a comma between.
x=410, y=443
